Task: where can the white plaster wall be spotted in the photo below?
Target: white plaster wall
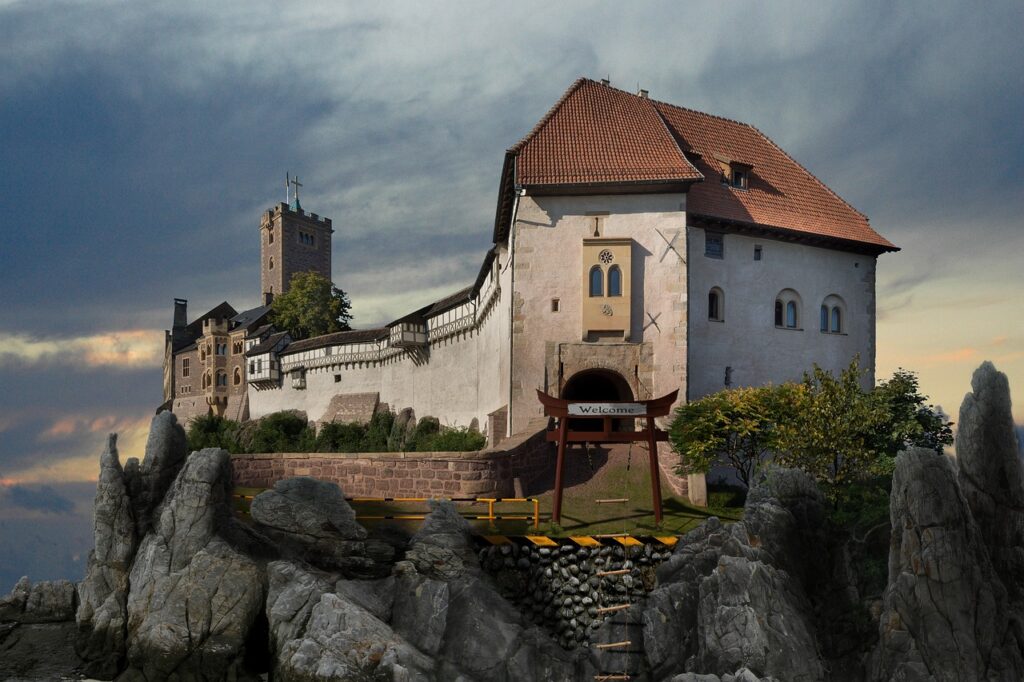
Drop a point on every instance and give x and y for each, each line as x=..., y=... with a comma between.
x=463, y=378
x=549, y=233
x=747, y=340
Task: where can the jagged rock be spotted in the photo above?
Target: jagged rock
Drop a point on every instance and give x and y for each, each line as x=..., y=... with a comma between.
x=45, y=602
x=401, y=429
x=193, y=597
x=443, y=546
x=741, y=675
x=311, y=520
x=166, y=449
x=990, y=474
x=102, y=615
x=319, y=635
x=945, y=615
x=43, y=651
x=421, y=610
x=753, y=614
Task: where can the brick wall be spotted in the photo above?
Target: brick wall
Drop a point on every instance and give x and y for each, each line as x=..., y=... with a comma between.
x=486, y=473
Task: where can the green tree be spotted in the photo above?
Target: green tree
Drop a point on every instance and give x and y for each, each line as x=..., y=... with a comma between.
x=911, y=421
x=830, y=428
x=312, y=306
x=734, y=425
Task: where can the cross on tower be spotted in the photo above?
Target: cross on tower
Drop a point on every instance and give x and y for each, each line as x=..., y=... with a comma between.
x=297, y=186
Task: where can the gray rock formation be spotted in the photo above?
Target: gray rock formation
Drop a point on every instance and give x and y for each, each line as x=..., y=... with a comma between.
x=193, y=597
x=318, y=634
x=741, y=675
x=401, y=429
x=166, y=449
x=990, y=474
x=312, y=521
x=946, y=615
x=45, y=602
x=102, y=615
x=44, y=652
x=733, y=596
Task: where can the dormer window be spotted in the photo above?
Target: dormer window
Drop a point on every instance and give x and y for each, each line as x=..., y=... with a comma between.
x=739, y=178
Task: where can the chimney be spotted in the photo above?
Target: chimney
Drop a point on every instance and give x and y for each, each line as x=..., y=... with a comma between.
x=180, y=314
x=179, y=331
x=606, y=81
x=642, y=93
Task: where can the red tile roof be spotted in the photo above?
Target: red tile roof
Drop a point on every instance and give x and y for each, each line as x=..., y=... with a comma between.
x=597, y=134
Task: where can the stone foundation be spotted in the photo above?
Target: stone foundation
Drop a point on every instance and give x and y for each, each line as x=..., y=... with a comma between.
x=485, y=473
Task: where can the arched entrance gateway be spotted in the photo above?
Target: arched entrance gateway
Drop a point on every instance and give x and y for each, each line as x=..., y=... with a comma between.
x=597, y=385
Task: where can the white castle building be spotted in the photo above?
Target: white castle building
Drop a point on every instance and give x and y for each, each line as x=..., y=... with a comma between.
x=639, y=247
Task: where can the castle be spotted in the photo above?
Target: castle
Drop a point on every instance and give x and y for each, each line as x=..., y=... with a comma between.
x=638, y=247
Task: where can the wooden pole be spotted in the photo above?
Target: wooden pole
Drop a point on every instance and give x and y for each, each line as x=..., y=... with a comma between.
x=556, y=507
x=655, y=474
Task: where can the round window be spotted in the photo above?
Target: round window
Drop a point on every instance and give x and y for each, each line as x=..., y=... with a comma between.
x=606, y=257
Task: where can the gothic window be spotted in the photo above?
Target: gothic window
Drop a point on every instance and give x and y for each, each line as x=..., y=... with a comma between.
x=238, y=376
x=614, y=281
x=271, y=263
x=596, y=281
x=715, y=304
x=222, y=379
x=270, y=236
x=236, y=348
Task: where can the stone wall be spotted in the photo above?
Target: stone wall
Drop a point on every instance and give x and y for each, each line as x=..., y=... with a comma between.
x=486, y=473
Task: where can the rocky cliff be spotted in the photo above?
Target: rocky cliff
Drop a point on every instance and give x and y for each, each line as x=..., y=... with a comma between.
x=179, y=588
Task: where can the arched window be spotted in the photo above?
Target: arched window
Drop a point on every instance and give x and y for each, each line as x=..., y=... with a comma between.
x=788, y=307
x=614, y=281
x=833, y=310
x=222, y=379
x=271, y=262
x=596, y=281
x=238, y=376
x=270, y=235
x=716, y=305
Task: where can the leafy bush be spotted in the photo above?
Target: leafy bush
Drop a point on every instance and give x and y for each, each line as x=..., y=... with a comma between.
x=283, y=432
x=211, y=431
x=453, y=440
x=338, y=437
x=378, y=431
x=426, y=429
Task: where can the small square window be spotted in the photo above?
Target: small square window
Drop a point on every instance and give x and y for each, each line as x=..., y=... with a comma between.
x=757, y=253
x=554, y=305
x=337, y=378
x=714, y=245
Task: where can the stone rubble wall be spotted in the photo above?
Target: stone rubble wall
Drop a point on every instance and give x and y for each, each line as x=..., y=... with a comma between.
x=559, y=588
x=486, y=473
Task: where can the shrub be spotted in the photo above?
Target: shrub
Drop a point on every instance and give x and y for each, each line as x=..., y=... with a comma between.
x=211, y=431
x=426, y=428
x=377, y=432
x=338, y=437
x=283, y=432
x=453, y=440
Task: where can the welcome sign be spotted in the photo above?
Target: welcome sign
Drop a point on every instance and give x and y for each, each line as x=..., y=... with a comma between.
x=607, y=409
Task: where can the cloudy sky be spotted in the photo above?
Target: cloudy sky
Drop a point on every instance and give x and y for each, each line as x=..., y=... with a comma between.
x=141, y=141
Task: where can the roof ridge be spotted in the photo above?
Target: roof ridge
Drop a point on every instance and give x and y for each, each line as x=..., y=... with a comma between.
x=814, y=177
x=517, y=147
x=671, y=136
x=776, y=146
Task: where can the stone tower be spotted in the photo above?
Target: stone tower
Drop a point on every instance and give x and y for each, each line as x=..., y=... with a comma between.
x=292, y=241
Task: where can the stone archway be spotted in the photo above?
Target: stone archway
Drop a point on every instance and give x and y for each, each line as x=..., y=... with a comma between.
x=598, y=385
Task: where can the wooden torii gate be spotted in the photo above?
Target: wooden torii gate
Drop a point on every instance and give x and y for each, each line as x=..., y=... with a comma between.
x=606, y=411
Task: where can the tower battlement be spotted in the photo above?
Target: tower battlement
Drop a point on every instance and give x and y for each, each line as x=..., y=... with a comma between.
x=283, y=209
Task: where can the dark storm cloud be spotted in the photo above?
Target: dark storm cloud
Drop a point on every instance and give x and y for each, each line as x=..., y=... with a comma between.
x=37, y=498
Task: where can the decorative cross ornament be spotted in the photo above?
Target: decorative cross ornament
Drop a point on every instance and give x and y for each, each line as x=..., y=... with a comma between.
x=670, y=245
